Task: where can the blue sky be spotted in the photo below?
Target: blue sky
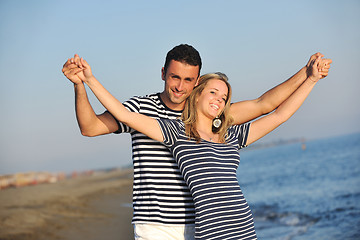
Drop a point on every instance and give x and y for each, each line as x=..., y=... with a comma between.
x=258, y=44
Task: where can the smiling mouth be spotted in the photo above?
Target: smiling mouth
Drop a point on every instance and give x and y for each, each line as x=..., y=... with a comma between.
x=177, y=94
x=214, y=106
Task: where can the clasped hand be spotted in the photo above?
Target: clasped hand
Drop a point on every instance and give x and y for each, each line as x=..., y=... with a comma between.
x=77, y=70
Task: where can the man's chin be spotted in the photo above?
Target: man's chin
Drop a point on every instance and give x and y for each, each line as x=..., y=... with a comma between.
x=178, y=100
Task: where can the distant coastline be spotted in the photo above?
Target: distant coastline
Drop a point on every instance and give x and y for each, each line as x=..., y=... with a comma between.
x=275, y=143
x=23, y=179
x=301, y=140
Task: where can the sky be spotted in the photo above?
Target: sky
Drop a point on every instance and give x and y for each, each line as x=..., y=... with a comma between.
x=258, y=44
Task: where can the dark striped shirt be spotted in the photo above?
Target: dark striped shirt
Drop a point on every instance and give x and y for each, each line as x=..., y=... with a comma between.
x=209, y=170
x=160, y=194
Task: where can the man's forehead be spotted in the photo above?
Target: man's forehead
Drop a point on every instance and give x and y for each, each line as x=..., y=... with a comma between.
x=183, y=64
x=183, y=69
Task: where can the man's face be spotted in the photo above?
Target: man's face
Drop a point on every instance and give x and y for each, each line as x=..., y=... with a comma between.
x=180, y=79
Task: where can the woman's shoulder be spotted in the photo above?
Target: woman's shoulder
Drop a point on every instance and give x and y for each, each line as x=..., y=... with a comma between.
x=236, y=130
x=178, y=123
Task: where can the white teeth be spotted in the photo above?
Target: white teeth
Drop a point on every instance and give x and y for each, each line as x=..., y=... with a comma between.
x=216, y=107
x=178, y=94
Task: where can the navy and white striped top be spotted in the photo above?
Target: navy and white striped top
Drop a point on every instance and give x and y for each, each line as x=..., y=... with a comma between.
x=160, y=194
x=209, y=169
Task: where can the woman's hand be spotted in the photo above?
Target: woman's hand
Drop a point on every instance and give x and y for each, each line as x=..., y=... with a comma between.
x=85, y=73
x=324, y=64
x=313, y=69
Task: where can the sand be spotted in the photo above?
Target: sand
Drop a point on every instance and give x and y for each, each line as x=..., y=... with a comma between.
x=88, y=207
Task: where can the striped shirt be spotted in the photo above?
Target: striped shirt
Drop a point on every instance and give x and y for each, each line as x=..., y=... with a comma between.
x=160, y=195
x=209, y=170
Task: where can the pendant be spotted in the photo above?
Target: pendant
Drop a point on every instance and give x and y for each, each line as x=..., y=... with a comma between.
x=217, y=122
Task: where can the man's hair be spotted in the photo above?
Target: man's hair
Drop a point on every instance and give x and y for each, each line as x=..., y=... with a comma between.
x=189, y=114
x=183, y=53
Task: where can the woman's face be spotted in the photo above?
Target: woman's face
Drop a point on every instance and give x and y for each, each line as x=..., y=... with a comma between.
x=211, y=101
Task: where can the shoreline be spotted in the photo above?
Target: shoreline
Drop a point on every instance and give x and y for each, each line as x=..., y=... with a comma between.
x=88, y=207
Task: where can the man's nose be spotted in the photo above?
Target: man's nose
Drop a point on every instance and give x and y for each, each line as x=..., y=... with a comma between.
x=180, y=85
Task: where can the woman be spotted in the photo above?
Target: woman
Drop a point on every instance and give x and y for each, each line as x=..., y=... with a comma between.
x=205, y=146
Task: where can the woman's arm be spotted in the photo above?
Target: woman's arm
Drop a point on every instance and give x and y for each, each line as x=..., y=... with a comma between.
x=266, y=124
x=248, y=110
x=142, y=123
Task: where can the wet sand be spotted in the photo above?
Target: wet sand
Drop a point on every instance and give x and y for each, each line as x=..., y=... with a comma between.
x=88, y=207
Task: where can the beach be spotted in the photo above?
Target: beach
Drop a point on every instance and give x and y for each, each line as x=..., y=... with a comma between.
x=96, y=206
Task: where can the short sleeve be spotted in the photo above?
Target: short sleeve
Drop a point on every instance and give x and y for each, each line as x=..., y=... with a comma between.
x=240, y=133
x=170, y=130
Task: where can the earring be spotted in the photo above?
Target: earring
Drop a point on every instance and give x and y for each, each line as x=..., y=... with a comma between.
x=217, y=122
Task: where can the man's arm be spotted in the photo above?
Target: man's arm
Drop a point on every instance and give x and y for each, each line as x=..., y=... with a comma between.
x=89, y=123
x=266, y=124
x=142, y=123
x=245, y=111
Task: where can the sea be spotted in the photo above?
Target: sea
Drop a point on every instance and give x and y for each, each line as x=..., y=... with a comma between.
x=299, y=193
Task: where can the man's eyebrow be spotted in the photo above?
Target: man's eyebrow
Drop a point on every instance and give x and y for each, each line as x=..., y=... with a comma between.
x=190, y=78
x=174, y=75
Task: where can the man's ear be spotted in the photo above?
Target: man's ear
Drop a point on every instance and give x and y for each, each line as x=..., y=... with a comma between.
x=163, y=73
x=197, y=81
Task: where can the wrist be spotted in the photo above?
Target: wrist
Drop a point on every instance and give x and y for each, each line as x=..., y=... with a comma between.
x=78, y=83
x=89, y=80
x=313, y=79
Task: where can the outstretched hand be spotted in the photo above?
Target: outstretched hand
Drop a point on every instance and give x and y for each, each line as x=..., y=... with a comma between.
x=323, y=66
x=313, y=69
x=77, y=70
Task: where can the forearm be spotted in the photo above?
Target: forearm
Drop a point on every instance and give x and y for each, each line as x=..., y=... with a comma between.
x=246, y=111
x=139, y=122
x=89, y=122
x=293, y=103
x=266, y=124
x=85, y=114
x=271, y=99
x=114, y=106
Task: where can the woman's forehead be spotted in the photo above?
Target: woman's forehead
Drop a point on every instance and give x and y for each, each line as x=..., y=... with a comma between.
x=218, y=85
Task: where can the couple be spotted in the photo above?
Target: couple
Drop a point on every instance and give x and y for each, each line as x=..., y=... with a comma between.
x=207, y=155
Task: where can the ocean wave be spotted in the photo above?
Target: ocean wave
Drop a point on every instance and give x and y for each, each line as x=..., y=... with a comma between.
x=283, y=225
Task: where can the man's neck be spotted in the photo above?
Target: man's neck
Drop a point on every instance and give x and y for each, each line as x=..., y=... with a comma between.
x=171, y=105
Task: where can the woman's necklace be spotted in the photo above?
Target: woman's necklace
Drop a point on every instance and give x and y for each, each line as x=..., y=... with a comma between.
x=205, y=136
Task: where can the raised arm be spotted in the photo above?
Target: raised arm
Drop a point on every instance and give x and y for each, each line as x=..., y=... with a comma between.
x=266, y=124
x=89, y=122
x=245, y=111
x=147, y=125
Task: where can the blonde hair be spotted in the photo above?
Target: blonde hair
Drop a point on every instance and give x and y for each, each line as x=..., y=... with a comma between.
x=189, y=114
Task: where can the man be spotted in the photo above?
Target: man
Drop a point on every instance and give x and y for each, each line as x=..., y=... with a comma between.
x=163, y=207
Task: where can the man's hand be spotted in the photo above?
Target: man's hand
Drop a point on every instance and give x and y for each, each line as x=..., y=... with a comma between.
x=324, y=67
x=77, y=70
x=71, y=70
